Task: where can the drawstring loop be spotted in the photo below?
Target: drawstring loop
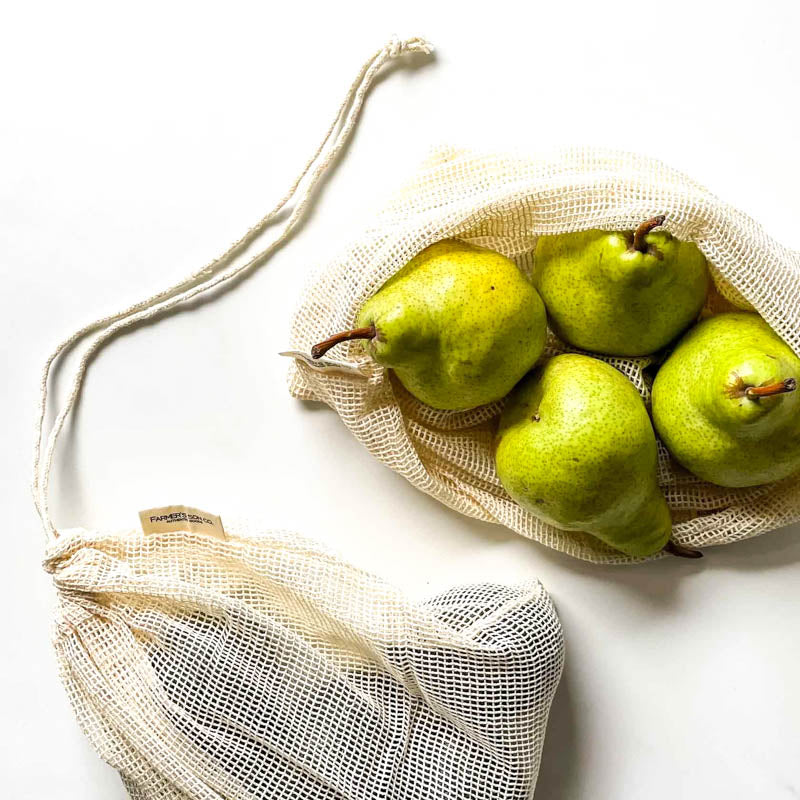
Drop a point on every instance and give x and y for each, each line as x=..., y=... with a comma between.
x=209, y=276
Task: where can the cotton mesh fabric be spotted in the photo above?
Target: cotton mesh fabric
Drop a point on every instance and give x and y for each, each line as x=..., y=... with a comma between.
x=505, y=202
x=266, y=667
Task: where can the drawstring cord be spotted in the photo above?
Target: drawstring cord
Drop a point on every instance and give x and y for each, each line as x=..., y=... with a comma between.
x=206, y=278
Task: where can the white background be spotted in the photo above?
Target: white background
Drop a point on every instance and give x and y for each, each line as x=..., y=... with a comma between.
x=138, y=140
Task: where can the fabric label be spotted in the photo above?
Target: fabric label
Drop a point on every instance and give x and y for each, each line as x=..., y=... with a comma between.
x=181, y=518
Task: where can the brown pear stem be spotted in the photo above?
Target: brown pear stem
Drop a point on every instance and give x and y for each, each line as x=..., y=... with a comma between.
x=781, y=387
x=679, y=550
x=319, y=350
x=642, y=231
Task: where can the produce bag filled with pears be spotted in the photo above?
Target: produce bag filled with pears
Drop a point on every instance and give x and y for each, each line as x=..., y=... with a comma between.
x=590, y=349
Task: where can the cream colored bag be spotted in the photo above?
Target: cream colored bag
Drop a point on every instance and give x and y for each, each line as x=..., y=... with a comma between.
x=505, y=202
x=263, y=667
x=239, y=664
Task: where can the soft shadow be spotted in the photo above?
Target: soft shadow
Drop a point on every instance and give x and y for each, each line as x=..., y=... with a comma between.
x=409, y=62
x=651, y=584
x=311, y=406
x=561, y=754
x=769, y=551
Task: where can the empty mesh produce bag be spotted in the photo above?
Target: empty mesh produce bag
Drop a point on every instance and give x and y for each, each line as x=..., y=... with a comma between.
x=505, y=202
x=262, y=666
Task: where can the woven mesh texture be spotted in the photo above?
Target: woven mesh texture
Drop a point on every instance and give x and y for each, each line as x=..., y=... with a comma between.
x=265, y=667
x=505, y=203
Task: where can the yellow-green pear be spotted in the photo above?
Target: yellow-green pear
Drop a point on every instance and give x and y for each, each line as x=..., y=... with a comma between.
x=725, y=402
x=620, y=293
x=576, y=448
x=459, y=325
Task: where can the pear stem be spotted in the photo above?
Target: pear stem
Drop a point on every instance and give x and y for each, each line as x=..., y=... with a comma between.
x=675, y=549
x=781, y=387
x=638, y=242
x=319, y=350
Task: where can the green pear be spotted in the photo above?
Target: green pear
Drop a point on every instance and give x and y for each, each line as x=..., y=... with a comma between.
x=576, y=448
x=725, y=405
x=458, y=324
x=623, y=294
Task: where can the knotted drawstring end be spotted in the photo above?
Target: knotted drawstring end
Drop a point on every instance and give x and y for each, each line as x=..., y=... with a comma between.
x=416, y=44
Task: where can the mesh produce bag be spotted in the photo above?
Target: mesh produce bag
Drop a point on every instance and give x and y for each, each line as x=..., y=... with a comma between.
x=263, y=667
x=211, y=663
x=505, y=203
